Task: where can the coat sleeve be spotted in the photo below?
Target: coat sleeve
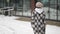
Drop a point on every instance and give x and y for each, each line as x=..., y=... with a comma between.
x=44, y=17
x=32, y=17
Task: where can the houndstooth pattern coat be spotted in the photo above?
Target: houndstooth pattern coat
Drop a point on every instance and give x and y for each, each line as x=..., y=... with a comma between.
x=38, y=23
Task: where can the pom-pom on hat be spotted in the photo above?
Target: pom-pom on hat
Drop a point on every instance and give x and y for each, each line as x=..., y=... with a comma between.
x=39, y=4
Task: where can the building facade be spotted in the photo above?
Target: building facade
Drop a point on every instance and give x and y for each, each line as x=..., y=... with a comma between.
x=25, y=7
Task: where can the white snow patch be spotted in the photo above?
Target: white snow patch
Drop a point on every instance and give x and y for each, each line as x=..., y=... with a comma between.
x=8, y=25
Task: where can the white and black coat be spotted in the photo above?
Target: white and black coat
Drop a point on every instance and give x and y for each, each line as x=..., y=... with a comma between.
x=38, y=22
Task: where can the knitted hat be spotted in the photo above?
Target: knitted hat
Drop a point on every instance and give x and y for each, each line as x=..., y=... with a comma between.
x=39, y=4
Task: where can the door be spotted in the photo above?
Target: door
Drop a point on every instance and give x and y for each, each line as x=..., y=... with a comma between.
x=54, y=9
x=19, y=6
x=23, y=8
x=58, y=8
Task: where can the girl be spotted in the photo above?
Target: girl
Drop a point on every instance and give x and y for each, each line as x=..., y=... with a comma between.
x=38, y=17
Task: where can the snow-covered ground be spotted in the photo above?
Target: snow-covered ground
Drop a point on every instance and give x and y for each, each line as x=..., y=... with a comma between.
x=8, y=25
